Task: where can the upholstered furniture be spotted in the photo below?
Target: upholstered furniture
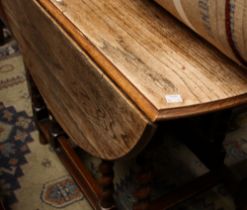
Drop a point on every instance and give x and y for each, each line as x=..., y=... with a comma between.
x=110, y=77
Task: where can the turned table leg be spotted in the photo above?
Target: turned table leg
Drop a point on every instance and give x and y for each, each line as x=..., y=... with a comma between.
x=40, y=111
x=144, y=181
x=106, y=184
x=55, y=132
x=145, y=173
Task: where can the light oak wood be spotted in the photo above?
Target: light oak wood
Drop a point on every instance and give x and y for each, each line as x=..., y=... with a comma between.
x=149, y=55
x=135, y=54
x=104, y=69
x=89, y=107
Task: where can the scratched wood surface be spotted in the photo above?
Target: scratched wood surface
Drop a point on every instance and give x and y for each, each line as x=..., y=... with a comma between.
x=89, y=107
x=150, y=55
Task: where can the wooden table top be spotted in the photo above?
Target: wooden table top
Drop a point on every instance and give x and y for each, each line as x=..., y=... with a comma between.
x=109, y=71
x=163, y=67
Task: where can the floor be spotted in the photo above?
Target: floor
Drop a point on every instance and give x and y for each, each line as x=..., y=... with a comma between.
x=32, y=178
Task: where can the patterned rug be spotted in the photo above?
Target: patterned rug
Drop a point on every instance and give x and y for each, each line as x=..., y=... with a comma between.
x=32, y=177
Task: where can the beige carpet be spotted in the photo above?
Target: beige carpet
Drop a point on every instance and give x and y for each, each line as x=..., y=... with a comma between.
x=42, y=171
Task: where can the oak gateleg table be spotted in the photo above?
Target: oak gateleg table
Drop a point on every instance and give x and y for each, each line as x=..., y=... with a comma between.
x=112, y=76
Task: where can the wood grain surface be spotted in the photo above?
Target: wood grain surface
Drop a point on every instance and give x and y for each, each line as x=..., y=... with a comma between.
x=89, y=107
x=151, y=56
